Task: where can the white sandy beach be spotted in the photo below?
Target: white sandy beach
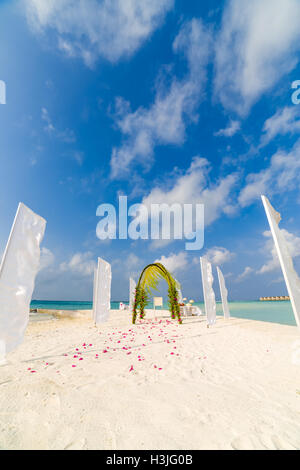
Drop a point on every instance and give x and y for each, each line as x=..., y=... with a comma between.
x=154, y=385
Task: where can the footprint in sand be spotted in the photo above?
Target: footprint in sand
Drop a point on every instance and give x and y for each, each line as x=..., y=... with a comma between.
x=76, y=445
x=245, y=443
x=261, y=442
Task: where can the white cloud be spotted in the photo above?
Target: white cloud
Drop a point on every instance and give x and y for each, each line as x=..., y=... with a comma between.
x=47, y=258
x=164, y=122
x=258, y=44
x=173, y=262
x=284, y=121
x=229, y=131
x=92, y=28
x=81, y=263
x=66, y=135
x=72, y=279
x=218, y=255
x=278, y=280
x=283, y=174
x=245, y=274
x=193, y=187
x=78, y=157
x=45, y=117
x=132, y=261
x=272, y=264
x=127, y=265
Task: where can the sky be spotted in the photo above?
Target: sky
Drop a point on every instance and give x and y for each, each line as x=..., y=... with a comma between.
x=161, y=101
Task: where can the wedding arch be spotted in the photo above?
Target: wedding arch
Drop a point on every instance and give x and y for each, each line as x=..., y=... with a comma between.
x=148, y=281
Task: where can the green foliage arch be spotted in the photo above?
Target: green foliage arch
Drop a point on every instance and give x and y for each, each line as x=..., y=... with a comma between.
x=148, y=281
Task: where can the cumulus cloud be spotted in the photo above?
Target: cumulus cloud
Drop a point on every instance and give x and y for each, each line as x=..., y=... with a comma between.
x=132, y=261
x=80, y=263
x=47, y=258
x=257, y=45
x=245, y=274
x=218, y=255
x=272, y=264
x=229, y=131
x=194, y=187
x=164, y=122
x=282, y=174
x=127, y=265
x=89, y=29
x=284, y=121
x=66, y=135
x=70, y=279
x=174, y=262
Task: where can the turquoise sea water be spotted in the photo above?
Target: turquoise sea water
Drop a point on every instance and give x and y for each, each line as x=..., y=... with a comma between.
x=274, y=312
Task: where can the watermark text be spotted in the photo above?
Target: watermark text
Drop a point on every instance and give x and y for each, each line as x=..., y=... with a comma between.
x=2, y=92
x=154, y=222
x=296, y=94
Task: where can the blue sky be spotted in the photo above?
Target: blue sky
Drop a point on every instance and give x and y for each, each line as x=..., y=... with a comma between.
x=171, y=100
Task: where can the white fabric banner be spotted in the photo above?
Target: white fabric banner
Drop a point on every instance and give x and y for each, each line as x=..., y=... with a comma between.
x=178, y=286
x=290, y=276
x=95, y=292
x=224, y=294
x=19, y=266
x=132, y=287
x=208, y=291
x=102, y=289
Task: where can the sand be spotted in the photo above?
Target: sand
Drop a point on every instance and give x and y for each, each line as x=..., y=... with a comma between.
x=154, y=385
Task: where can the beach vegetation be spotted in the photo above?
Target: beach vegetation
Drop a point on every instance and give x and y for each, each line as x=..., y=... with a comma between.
x=148, y=282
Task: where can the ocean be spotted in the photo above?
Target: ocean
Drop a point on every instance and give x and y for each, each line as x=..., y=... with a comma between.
x=274, y=312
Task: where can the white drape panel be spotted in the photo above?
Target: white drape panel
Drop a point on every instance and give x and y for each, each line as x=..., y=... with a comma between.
x=286, y=262
x=208, y=291
x=102, y=292
x=95, y=292
x=224, y=294
x=178, y=286
x=20, y=264
x=132, y=287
